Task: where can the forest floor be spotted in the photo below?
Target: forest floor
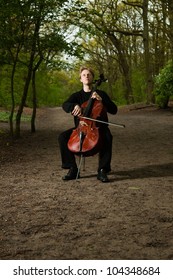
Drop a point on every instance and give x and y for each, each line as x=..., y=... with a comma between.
x=131, y=217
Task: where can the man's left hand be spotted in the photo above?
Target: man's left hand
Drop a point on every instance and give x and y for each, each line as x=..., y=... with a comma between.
x=95, y=95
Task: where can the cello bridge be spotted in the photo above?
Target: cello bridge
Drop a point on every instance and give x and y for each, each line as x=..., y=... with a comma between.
x=82, y=123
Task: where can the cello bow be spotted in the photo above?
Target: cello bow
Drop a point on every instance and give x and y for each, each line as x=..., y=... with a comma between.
x=110, y=123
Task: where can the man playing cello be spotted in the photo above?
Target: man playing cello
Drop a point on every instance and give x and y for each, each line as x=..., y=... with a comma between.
x=73, y=105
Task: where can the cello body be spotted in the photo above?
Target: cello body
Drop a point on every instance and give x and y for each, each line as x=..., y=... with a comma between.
x=86, y=139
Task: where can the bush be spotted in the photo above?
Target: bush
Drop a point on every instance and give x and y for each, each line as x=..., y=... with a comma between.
x=163, y=88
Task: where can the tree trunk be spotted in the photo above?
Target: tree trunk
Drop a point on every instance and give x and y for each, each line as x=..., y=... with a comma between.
x=12, y=94
x=170, y=11
x=28, y=79
x=125, y=68
x=23, y=100
x=33, y=129
x=148, y=71
x=34, y=102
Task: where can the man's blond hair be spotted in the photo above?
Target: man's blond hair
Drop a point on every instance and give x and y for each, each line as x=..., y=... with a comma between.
x=82, y=68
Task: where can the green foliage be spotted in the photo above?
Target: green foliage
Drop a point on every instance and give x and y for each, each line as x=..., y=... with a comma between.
x=163, y=89
x=5, y=97
x=4, y=117
x=118, y=93
x=53, y=87
x=5, y=85
x=138, y=84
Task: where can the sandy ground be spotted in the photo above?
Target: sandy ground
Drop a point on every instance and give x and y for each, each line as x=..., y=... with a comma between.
x=43, y=217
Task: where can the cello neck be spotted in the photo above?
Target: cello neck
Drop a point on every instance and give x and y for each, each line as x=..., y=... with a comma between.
x=90, y=103
x=89, y=107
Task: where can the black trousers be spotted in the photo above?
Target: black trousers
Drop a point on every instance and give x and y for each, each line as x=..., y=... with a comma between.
x=105, y=155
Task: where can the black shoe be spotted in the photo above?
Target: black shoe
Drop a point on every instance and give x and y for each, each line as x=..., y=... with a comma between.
x=102, y=176
x=72, y=174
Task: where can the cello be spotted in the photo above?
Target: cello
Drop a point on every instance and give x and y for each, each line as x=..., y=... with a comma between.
x=86, y=139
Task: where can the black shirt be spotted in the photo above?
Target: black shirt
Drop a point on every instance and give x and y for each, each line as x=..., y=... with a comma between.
x=78, y=98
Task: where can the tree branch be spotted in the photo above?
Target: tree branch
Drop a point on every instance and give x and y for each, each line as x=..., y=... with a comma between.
x=136, y=4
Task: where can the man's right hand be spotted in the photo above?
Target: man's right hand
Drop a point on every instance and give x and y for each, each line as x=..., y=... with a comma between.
x=77, y=111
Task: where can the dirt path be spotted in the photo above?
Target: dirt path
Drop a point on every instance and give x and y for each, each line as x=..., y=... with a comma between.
x=42, y=217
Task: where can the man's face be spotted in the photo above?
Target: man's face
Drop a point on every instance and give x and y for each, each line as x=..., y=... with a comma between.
x=86, y=77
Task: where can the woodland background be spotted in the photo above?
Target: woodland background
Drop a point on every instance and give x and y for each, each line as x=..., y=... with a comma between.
x=44, y=42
